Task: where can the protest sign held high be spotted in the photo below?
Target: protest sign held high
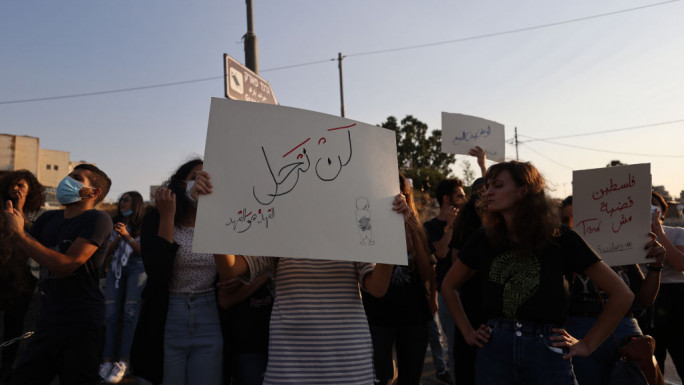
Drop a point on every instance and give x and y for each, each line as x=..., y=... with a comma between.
x=301, y=184
x=611, y=208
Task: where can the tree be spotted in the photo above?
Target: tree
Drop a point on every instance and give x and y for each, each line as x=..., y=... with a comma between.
x=614, y=163
x=419, y=155
x=468, y=173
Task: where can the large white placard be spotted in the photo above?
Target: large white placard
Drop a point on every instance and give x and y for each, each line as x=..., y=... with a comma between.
x=461, y=132
x=611, y=208
x=295, y=183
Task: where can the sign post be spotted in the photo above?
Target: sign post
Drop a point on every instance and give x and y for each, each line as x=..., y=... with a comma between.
x=243, y=84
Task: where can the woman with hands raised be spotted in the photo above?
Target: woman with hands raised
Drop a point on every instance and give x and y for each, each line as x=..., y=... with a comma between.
x=178, y=339
x=318, y=331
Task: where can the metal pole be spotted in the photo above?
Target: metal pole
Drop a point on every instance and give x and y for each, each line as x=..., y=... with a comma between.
x=516, y=144
x=339, y=65
x=251, y=51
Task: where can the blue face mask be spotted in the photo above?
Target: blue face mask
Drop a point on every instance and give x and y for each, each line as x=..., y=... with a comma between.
x=127, y=213
x=68, y=190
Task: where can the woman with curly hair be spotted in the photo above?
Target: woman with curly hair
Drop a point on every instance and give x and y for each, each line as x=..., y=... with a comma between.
x=17, y=284
x=526, y=261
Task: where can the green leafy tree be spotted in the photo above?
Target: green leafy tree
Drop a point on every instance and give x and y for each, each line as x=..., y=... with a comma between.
x=419, y=154
x=468, y=173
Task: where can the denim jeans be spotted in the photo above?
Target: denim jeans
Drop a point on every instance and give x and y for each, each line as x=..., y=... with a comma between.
x=449, y=329
x=596, y=369
x=521, y=353
x=127, y=299
x=437, y=344
x=193, y=344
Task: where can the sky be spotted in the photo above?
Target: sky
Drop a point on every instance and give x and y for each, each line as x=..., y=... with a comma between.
x=607, y=86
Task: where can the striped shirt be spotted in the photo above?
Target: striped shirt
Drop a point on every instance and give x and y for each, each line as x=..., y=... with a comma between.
x=318, y=332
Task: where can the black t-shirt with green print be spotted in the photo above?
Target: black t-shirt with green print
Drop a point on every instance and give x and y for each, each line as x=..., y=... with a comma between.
x=534, y=288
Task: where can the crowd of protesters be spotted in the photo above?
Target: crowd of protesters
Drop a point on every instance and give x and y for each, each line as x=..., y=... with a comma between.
x=519, y=297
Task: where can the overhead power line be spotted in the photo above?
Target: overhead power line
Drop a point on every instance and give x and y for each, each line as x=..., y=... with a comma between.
x=610, y=151
x=511, y=31
x=600, y=132
x=494, y=34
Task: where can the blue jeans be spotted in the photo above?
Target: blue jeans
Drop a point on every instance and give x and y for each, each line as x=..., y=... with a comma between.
x=520, y=353
x=126, y=298
x=596, y=369
x=437, y=344
x=449, y=328
x=193, y=344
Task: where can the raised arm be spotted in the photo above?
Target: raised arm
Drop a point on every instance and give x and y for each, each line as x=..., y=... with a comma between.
x=481, y=156
x=674, y=254
x=59, y=264
x=651, y=284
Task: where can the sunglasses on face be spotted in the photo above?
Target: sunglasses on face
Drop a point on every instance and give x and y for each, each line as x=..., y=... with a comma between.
x=125, y=200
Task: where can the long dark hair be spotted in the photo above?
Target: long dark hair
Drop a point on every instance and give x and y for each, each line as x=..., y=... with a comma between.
x=408, y=193
x=36, y=191
x=535, y=219
x=138, y=208
x=177, y=184
x=468, y=219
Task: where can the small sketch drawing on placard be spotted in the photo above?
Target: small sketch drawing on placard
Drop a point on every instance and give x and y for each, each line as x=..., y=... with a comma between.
x=363, y=221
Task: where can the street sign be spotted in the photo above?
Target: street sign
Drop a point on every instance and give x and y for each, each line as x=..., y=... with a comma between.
x=243, y=84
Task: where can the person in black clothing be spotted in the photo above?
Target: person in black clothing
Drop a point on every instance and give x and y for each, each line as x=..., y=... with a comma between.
x=17, y=284
x=525, y=260
x=70, y=245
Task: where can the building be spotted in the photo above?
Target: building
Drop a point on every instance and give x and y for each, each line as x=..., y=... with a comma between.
x=24, y=153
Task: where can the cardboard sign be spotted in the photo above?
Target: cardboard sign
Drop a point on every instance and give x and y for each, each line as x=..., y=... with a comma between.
x=461, y=132
x=300, y=184
x=611, y=211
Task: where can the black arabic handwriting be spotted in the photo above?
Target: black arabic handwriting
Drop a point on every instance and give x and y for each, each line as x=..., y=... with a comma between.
x=287, y=177
x=468, y=136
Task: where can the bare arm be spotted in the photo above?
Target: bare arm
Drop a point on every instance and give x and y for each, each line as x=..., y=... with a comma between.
x=621, y=298
x=231, y=291
x=229, y=265
x=651, y=284
x=377, y=281
x=458, y=275
x=481, y=156
x=674, y=254
x=59, y=264
x=166, y=204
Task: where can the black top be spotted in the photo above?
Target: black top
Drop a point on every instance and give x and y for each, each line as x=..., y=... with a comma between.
x=532, y=288
x=75, y=300
x=585, y=300
x=158, y=254
x=404, y=304
x=434, y=228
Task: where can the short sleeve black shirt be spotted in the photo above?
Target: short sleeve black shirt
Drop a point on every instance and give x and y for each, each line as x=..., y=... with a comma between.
x=75, y=300
x=533, y=288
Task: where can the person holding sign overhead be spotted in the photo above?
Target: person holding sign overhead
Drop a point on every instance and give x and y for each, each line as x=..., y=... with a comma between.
x=318, y=332
x=178, y=337
x=526, y=260
x=668, y=311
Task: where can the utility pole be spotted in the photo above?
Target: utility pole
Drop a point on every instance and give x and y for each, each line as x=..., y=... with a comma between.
x=251, y=53
x=339, y=65
x=516, y=144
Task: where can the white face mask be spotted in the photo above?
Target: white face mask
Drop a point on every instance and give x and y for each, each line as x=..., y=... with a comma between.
x=188, y=187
